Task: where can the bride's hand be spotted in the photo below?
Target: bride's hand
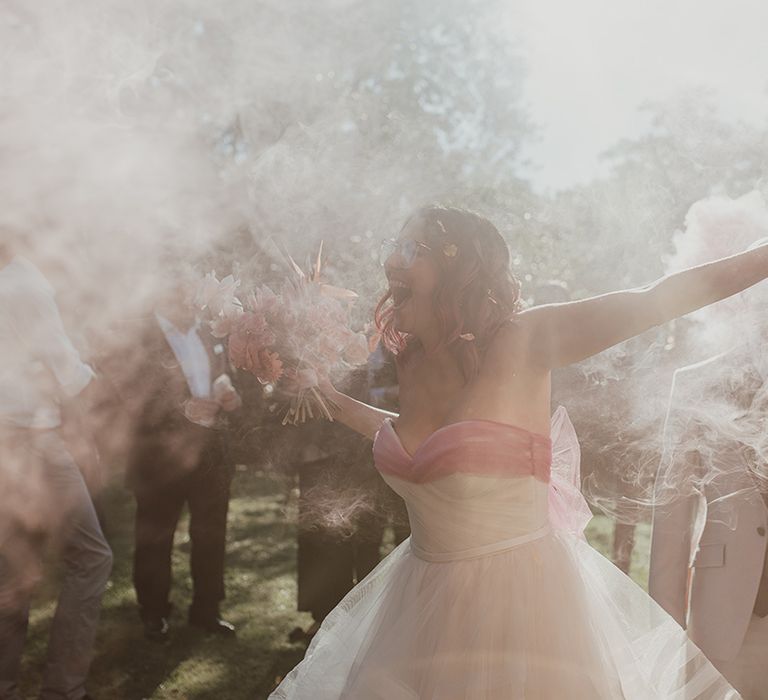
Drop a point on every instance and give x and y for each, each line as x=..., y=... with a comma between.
x=325, y=385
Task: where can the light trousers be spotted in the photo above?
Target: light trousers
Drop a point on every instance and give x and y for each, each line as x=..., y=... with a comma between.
x=43, y=495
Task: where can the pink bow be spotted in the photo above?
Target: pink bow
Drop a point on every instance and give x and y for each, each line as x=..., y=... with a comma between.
x=568, y=509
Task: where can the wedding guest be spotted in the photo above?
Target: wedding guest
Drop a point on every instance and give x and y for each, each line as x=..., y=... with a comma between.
x=708, y=565
x=344, y=507
x=709, y=562
x=44, y=496
x=180, y=392
x=383, y=392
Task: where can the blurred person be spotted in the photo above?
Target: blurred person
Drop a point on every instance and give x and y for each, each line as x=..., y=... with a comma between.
x=708, y=565
x=344, y=508
x=383, y=393
x=709, y=557
x=178, y=391
x=44, y=495
x=497, y=594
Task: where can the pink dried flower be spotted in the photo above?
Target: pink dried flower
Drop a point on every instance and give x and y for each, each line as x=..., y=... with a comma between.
x=356, y=351
x=240, y=354
x=271, y=367
x=221, y=327
x=249, y=335
x=223, y=324
x=255, y=326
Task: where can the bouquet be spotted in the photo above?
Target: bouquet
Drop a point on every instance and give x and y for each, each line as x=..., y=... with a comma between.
x=287, y=339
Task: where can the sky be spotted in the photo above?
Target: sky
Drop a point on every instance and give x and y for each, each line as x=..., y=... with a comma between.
x=593, y=63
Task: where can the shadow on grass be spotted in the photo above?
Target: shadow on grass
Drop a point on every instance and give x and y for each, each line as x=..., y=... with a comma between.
x=261, y=595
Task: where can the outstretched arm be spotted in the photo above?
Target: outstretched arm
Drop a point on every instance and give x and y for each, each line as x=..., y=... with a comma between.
x=355, y=414
x=561, y=334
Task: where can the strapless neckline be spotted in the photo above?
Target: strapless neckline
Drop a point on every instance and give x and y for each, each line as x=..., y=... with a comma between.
x=460, y=423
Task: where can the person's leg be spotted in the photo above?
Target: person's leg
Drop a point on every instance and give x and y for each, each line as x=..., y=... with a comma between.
x=325, y=565
x=14, y=618
x=397, y=514
x=158, y=509
x=623, y=545
x=366, y=543
x=87, y=562
x=325, y=571
x=21, y=485
x=208, y=508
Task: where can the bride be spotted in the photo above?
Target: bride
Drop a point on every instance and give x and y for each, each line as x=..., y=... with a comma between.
x=497, y=595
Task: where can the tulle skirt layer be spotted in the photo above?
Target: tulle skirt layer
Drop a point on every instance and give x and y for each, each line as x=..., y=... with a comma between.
x=549, y=619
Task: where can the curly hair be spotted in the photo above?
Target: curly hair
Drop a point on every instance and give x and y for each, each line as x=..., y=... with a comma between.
x=476, y=294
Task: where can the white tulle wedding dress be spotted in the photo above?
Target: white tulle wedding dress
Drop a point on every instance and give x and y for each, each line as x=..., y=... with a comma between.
x=496, y=595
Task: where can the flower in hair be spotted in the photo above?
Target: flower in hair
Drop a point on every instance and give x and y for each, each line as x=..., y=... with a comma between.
x=450, y=250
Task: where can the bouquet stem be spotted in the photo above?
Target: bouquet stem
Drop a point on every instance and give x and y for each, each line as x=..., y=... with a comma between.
x=300, y=407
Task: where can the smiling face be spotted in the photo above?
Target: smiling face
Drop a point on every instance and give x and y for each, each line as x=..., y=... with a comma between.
x=450, y=286
x=413, y=279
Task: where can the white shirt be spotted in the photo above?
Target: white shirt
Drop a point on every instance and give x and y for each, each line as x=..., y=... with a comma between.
x=192, y=356
x=37, y=360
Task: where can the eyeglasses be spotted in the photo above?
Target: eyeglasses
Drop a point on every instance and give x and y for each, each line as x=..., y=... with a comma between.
x=406, y=248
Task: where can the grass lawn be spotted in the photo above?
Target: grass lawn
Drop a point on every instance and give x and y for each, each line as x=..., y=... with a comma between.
x=261, y=594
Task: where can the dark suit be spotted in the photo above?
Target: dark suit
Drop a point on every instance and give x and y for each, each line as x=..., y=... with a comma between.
x=174, y=462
